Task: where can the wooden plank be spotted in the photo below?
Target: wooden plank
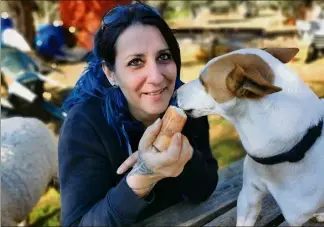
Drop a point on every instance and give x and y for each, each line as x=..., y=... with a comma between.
x=230, y=30
x=270, y=212
x=222, y=200
x=232, y=170
x=200, y=30
x=311, y=223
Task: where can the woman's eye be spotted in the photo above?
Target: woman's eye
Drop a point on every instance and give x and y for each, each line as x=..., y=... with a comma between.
x=165, y=57
x=135, y=62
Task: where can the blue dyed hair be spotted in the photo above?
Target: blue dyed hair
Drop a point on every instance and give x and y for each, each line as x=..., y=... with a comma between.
x=93, y=81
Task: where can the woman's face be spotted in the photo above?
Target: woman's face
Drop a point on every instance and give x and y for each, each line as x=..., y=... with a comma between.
x=144, y=71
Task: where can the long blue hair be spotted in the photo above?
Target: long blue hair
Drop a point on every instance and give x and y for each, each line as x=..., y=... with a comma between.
x=93, y=82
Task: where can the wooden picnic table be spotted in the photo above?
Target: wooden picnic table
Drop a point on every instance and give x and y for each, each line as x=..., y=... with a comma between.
x=220, y=208
x=229, y=31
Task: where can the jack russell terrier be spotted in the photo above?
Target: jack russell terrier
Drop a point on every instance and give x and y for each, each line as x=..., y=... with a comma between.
x=280, y=123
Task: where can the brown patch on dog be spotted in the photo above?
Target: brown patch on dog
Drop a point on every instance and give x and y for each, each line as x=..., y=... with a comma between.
x=249, y=83
x=213, y=79
x=240, y=75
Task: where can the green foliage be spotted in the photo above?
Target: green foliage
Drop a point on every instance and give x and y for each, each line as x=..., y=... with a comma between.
x=48, y=11
x=173, y=14
x=226, y=145
x=47, y=211
x=171, y=10
x=227, y=151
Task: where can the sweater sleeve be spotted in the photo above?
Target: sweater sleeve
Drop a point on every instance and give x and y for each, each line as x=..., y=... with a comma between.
x=199, y=178
x=89, y=194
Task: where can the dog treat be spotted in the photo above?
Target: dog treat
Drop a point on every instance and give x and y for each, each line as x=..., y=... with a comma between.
x=173, y=122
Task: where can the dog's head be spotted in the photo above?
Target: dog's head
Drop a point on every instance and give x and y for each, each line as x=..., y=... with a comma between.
x=241, y=74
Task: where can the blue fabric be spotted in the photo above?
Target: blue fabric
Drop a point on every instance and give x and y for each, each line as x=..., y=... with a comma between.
x=49, y=40
x=17, y=62
x=5, y=24
x=92, y=194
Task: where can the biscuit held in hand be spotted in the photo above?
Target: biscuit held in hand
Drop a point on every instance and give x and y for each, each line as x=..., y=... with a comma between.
x=173, y=122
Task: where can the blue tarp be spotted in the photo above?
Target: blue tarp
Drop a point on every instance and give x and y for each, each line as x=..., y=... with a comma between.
x=5, y=24
x=49, y=40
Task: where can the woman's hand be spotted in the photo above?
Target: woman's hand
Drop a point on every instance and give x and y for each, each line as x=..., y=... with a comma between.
x=151, y=165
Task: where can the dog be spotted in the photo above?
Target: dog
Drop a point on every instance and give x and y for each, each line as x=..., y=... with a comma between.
x=280, y=124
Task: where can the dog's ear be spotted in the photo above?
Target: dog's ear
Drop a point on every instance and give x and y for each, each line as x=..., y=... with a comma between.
x=249, y=83
x=282, y=54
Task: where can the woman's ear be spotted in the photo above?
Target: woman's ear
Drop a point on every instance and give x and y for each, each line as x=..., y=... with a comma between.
x=109, y=74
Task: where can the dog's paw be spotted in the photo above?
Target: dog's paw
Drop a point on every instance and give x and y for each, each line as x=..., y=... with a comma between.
x=242, y=222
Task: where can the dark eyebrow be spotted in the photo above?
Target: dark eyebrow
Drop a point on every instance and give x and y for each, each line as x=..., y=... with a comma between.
x=142, y=55
x=135, y=55
x=164, y=50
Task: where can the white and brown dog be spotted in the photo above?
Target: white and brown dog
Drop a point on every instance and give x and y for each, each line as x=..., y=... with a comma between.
x=280, y=123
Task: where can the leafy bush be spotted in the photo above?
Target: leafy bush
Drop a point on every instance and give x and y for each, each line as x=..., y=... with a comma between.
x=47, y=211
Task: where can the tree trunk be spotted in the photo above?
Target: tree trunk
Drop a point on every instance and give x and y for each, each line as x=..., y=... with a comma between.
x=162, y=8
x=21, y=13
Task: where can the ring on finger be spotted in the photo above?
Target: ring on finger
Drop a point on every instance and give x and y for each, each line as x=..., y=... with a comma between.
x=157, y=149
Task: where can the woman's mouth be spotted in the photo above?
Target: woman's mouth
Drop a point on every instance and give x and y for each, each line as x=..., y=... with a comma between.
x=157, y=92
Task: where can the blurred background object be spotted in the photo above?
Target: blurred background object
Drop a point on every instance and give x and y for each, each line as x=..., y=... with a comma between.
x=10, y=36
x=22, y=87
x=22, y=14
x=44, y=45
x=55, y=42
x=312, y=34
x=85, y=17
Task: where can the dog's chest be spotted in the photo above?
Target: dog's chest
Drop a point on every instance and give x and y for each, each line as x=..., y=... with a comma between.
x=303, y=179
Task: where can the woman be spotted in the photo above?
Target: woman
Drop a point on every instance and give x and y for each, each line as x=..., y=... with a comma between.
x=128, y=86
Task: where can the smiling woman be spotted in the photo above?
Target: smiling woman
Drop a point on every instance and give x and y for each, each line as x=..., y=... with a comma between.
x=144, y=71
x=113, y=119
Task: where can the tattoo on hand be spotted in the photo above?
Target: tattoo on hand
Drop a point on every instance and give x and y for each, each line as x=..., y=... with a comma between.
x=141, y=168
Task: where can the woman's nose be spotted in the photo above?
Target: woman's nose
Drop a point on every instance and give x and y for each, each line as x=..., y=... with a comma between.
x=154, y=73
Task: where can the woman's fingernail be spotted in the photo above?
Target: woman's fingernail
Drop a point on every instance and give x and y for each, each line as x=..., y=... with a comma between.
x=179, y=136
x=157, y=122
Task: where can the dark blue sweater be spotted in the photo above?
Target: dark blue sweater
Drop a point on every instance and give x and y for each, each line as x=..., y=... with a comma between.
x=93, y=194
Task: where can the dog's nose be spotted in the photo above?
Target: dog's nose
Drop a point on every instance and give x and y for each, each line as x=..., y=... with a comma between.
x=189, y=111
